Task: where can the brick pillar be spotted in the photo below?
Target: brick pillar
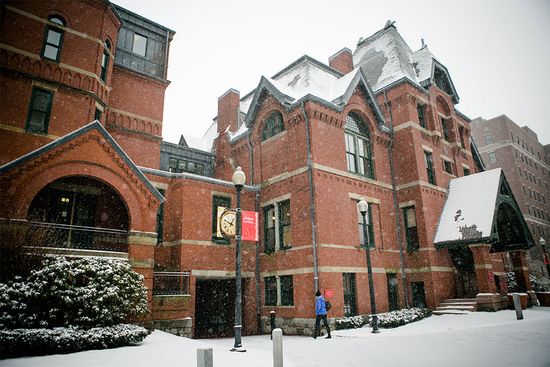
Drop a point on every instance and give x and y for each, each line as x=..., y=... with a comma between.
x=483, y=267
x=521, y=269
x=141, y=255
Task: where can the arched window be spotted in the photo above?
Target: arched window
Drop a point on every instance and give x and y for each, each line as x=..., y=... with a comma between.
x=105, y=60
x=358, y=146
x=273, y=125
x=53, y=39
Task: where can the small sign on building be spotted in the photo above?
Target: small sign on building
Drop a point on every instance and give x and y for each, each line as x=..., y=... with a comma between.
x=250, y=226
x=329, y=293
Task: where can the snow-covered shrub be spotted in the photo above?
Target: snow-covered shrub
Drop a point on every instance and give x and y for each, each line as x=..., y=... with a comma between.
x=536, y=284
x=84, y=293
x=352, y=322
x=402, y=317
x=24, y=342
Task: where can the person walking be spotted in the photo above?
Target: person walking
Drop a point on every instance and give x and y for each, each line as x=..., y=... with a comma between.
x=320, y=314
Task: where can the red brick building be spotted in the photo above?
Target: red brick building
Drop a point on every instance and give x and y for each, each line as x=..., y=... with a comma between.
x=379, y=123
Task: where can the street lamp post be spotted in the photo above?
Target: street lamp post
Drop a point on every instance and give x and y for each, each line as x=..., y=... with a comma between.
x=363, y=209
x=545, y=258
x=238, y=179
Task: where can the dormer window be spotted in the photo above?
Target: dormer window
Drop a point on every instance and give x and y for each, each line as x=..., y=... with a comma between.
x=139, y=47
x=53, y=39
x=358, y=146
x=273, y=125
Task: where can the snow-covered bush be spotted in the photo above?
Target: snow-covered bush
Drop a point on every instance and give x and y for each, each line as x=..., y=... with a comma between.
x=83, y=293
x=353, y=322
x=24, y=342
x=386, y=320
x=401, y=317
x=536, y=284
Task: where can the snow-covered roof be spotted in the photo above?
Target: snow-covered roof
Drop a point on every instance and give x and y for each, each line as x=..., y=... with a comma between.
x=470, y=208
x=205, y=142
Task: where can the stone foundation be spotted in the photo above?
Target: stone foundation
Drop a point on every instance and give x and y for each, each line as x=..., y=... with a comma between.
x=179, y=327
x=296, y=326
x=491, y=302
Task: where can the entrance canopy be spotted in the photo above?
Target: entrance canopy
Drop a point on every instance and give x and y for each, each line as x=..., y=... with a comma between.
x=480, y=208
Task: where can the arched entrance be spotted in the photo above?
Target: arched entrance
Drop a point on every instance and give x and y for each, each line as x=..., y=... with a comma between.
x=83, y=213
x=465, y=274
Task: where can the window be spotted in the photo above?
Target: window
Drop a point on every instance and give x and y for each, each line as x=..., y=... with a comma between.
x=418, y=294
x=411, y=230
x=40, y=106
x=492, y=156
x=277, y=227
x=181, y=165
x=160, y=218
x=429, y=167
x=105, y=60
x=53, y=39
x=446, y=127
x=393, y=295
x=421, y=111
x=447, y=166
x=219, y=204
x=279, y=291
x=461, y=134
x=139, y=46
x=466, y=171
x=350, y=297
x=358, y=147
x=370, y=229
x=488, y=139
x=273, y=125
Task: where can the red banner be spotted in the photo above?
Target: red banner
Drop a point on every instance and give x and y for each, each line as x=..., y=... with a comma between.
x=329, y=293
x=249, y=226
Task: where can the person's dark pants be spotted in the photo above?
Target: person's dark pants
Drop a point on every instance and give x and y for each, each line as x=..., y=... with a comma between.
x=318, y=319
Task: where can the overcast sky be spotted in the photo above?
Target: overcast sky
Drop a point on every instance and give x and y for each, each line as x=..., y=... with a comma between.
x=497, y=51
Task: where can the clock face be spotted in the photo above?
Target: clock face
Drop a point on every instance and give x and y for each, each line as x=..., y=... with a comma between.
x=228, y=223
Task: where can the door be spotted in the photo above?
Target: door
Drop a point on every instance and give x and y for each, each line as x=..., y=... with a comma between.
x=418, y=294
x=350, y=298
x=465, y=275
x=393, y=297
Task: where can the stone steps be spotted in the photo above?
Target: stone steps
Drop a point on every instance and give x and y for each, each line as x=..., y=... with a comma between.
x=457, y=306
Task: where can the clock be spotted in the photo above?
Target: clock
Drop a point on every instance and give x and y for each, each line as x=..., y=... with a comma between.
x=228, y=223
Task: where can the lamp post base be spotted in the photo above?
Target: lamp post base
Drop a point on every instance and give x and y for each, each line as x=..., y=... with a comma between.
x=375, y=324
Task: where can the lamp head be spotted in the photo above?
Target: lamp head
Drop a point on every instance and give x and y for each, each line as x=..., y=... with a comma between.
x=542, y=242
x=363, y=206
x=239, y=178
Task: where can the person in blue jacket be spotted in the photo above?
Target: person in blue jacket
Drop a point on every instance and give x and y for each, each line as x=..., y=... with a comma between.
x=320, y=314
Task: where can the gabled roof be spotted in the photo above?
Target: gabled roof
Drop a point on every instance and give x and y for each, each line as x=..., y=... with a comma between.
x=94, y=125
x=387, y=58
x=307, y=80
x=470, y=212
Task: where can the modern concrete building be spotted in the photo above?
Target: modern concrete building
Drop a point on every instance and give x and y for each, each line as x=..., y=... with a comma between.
x=526, y=163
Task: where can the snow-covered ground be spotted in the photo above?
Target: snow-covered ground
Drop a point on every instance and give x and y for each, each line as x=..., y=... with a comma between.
x=476, y=339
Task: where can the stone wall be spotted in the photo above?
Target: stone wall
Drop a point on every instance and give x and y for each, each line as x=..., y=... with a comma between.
x=179, y=327
x=295, y=326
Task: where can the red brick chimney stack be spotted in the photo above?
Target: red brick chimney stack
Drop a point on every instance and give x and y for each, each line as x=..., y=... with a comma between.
x=228, y=110
x=342, y=61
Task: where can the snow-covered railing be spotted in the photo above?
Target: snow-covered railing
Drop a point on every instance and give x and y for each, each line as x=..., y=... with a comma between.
x=74, y=237
x=169, y=283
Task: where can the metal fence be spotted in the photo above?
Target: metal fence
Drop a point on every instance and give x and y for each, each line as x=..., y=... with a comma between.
x=171, y=283
x=74, y=237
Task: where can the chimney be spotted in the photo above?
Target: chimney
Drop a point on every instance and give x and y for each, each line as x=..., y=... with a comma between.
x=342, y=61
x=228, y=110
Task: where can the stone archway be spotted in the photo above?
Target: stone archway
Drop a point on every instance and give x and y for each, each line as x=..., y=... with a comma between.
x=83, y=212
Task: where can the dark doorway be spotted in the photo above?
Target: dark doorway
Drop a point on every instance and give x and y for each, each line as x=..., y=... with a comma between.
x=350, y=298
x=215, y=308
x=466, y=280
x=393, y=296
x=418, y=294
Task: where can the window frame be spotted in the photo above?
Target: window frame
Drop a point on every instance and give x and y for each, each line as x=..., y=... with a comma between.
x=421, y=114
x=357, y=162
x=53, y=26
x=105, y=61
x=133, y=49
x=279, y=290
x=46, y=112
x=410, y=233
x=273, y=125
x=224, y=202
x=274, y=235
x=430, y=169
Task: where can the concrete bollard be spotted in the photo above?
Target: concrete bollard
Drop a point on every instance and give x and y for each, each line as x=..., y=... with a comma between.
x=517, y=306
x=272, y=322
x=277, y=348
x=205, y=357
